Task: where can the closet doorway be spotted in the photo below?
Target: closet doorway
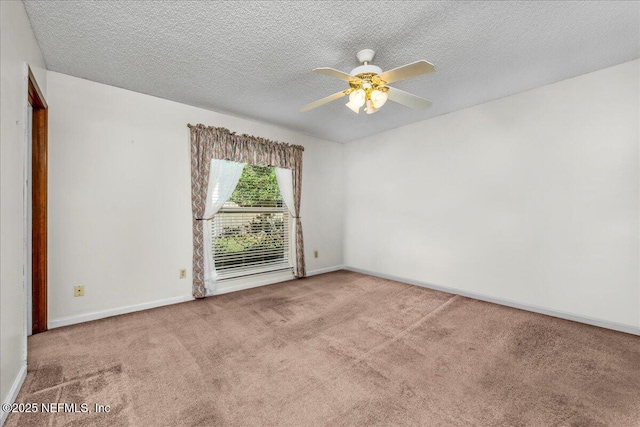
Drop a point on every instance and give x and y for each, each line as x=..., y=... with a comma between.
x=36, y=215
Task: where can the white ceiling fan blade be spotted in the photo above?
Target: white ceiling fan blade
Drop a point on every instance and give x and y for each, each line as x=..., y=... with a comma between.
x=322, y=101
x=408, y=71
x=335, y=73
x=407, y=99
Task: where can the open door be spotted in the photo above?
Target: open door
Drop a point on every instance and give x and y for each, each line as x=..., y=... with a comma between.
x=38, y=181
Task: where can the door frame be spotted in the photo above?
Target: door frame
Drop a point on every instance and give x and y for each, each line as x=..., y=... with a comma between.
x=39, y=170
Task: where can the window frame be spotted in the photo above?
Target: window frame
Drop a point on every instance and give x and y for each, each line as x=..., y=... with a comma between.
x=243, y=270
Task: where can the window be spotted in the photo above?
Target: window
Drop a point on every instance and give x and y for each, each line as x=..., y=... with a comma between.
x=251, y=231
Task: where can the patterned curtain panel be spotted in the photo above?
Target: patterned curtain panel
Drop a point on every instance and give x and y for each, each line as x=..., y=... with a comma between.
x=208, y=142
x=296, y=172
x=201, y=155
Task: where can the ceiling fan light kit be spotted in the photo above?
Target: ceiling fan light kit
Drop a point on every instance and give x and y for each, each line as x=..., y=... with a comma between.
x=369, y=85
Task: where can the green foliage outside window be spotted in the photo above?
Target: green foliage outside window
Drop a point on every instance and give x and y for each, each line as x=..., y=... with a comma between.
x=257, y=187
x=263, y=233
x=261, y=237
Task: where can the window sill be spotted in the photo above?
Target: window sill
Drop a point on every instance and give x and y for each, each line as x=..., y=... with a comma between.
x=274, y=267
x=248, y=282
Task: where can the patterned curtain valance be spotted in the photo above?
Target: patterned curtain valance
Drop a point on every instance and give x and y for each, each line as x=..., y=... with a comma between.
x=227, y=145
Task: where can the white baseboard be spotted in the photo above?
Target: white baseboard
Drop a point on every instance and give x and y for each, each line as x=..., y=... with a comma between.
x=549, y=312
x=242, y=285
x=325, y=270
x=13, y=392
x=72, y=320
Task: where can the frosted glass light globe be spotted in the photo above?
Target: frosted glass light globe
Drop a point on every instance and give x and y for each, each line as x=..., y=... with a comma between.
x=378, y=98
x=370, y=108
x=356, y=98
x=353, y=107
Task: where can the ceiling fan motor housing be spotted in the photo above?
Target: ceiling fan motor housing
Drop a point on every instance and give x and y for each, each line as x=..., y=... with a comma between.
x=365, y=57
x=366, y=69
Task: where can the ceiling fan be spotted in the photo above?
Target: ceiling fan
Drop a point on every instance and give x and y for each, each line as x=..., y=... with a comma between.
x=369, y=86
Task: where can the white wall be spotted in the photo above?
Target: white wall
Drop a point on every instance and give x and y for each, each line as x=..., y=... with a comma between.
x=120, y=196
x=18, y=48
x=533, y=198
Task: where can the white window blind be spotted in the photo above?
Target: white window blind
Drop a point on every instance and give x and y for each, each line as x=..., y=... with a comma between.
x=251, y=231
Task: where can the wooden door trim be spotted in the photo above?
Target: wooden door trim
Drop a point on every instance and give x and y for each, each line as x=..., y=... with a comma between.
x=39, y=139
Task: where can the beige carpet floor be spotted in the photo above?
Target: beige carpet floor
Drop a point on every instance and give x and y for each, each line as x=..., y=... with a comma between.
x=338, y=349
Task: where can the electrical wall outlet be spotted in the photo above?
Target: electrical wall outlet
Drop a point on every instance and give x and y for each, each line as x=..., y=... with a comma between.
x=78, y=291
x=183, y=273
x=315, y=254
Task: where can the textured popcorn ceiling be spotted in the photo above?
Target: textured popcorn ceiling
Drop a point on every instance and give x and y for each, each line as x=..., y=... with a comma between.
x=254, y=59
